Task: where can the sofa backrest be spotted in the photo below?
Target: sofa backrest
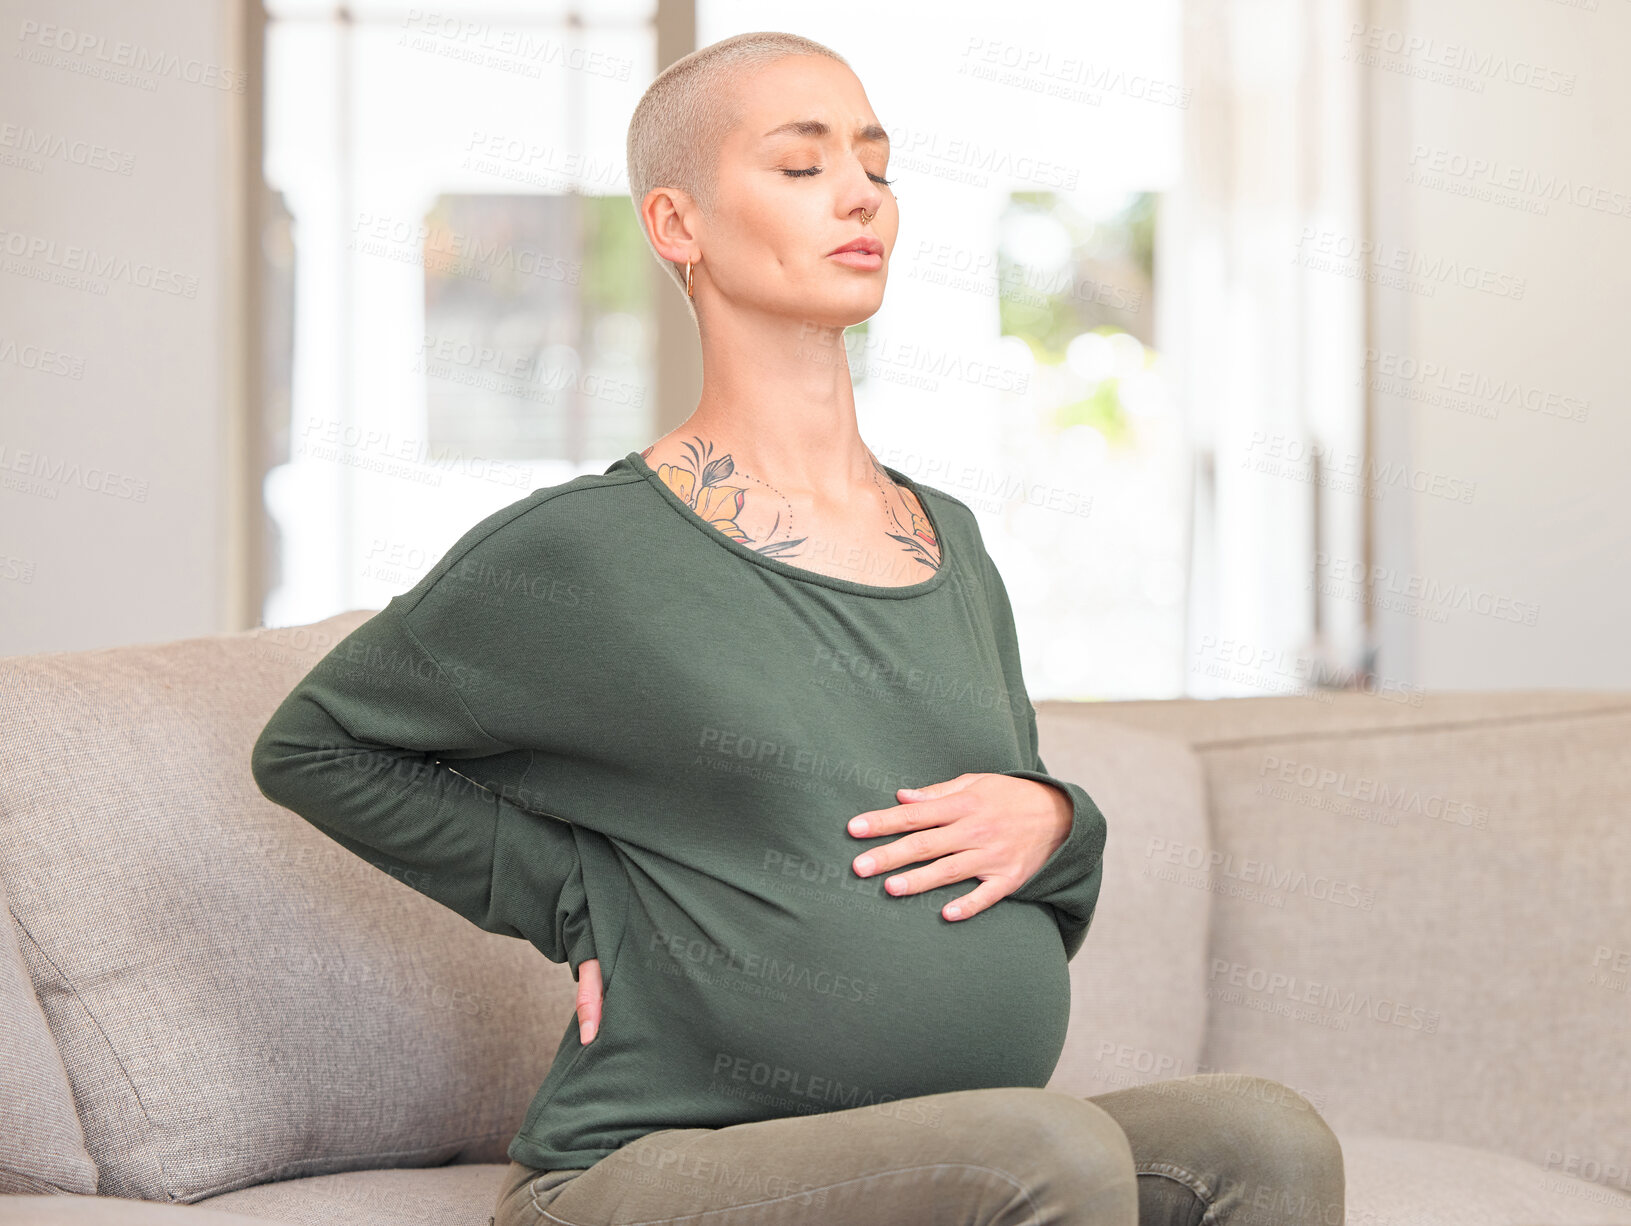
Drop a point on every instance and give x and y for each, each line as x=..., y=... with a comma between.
x=42, y=1147
x=1422, y=919
x=1138, y=984
x=235, y=997
x=1413, y=914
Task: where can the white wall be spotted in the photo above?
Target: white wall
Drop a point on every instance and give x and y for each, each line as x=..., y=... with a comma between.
x=153, y=389
x=121, y=496
x=1545, y=533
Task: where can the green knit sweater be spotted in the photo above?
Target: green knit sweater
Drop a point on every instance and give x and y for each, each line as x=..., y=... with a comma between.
x=602, y=726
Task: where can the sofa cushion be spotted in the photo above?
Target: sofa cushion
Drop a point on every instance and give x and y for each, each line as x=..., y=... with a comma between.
x=112, y=1211
x=236, y=997
x=1138, y=985
x=1422, y=921
x=48, y=1154
x=1400, y=1180
x=463, y=1195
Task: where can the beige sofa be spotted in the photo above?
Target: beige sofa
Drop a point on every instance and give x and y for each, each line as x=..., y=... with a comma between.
x=1416, y=915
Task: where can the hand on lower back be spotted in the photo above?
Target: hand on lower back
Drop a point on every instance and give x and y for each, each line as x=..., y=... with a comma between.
x=588, y=999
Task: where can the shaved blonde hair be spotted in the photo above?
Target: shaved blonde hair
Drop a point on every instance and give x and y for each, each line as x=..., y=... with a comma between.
x=685, y=115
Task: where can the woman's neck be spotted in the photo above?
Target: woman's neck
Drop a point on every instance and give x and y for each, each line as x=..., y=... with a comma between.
x=782, y=405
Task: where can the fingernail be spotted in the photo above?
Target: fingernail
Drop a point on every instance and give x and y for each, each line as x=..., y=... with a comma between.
x=953, y=911
x=864, y=865
x=858, y=826
x=588, y=1031
x=896, y=883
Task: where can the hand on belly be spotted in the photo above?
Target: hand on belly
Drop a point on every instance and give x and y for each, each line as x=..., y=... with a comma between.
x=998, y=828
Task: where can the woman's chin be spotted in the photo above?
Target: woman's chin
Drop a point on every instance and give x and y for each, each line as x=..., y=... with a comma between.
x=843, y=309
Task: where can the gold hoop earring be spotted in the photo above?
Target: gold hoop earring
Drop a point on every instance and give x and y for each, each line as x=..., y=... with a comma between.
x=688, y=292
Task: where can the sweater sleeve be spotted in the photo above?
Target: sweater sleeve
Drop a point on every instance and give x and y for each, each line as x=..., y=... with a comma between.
x=1069, y=879
x=361, y=748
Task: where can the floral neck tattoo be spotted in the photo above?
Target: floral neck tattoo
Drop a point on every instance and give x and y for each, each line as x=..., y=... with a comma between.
x=704, y=483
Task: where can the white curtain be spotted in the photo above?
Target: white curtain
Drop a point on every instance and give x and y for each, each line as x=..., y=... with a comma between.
x=1265, y=321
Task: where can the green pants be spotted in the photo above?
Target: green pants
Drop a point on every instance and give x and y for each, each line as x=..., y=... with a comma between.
x=1219, y=1149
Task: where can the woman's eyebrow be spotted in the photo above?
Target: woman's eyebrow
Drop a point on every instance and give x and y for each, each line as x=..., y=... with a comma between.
x=870, y=133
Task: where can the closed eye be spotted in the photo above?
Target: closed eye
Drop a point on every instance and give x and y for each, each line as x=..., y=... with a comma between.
x=815, y=170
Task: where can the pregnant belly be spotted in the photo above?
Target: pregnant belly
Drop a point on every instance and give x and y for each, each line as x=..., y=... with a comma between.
x=819, y=1002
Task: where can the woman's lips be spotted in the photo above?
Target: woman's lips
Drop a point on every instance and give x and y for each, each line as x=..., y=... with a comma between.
x=864, y=260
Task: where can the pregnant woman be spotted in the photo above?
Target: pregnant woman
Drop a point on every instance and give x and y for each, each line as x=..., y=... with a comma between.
x=737, y=730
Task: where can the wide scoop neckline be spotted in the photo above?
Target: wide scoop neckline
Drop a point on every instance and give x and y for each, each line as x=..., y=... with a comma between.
x=903, y=591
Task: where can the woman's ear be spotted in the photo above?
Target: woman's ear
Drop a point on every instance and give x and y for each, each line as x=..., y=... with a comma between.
x=668, y=214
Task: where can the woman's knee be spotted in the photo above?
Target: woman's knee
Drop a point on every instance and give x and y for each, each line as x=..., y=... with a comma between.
x=1293, y=1171
x=1250, y=1148
x=1040, y=1129
x=1296, y=1125
x=524, y=1192
x=1057, y=1157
